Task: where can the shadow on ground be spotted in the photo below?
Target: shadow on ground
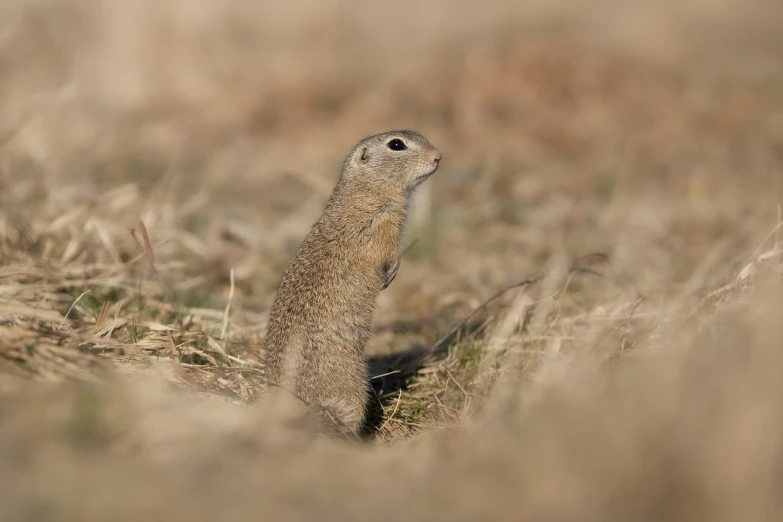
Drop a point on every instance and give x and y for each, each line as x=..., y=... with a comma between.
x=387, y=379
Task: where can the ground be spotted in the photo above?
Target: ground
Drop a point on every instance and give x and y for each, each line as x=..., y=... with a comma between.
x=586, y=323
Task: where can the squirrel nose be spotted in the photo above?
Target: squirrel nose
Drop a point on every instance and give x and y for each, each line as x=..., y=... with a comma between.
x=437, y=157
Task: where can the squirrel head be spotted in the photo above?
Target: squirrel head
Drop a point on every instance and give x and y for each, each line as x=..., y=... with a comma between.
x=399, y=160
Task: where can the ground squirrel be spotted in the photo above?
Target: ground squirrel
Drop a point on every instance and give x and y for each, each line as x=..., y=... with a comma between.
x=322, y=314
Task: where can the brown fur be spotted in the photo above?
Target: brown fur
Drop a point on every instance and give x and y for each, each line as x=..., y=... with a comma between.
x=322, y=315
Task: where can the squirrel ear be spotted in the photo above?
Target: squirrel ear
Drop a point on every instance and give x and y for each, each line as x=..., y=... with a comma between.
x=364, y=156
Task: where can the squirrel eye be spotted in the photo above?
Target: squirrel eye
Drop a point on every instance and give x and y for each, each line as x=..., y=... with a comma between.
x=396, y=144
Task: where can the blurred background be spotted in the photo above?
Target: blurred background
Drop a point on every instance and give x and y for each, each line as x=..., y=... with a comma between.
x=644, y=129
x=644, y=136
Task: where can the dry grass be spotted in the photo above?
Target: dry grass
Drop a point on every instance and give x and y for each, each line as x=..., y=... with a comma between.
x=160, y=162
